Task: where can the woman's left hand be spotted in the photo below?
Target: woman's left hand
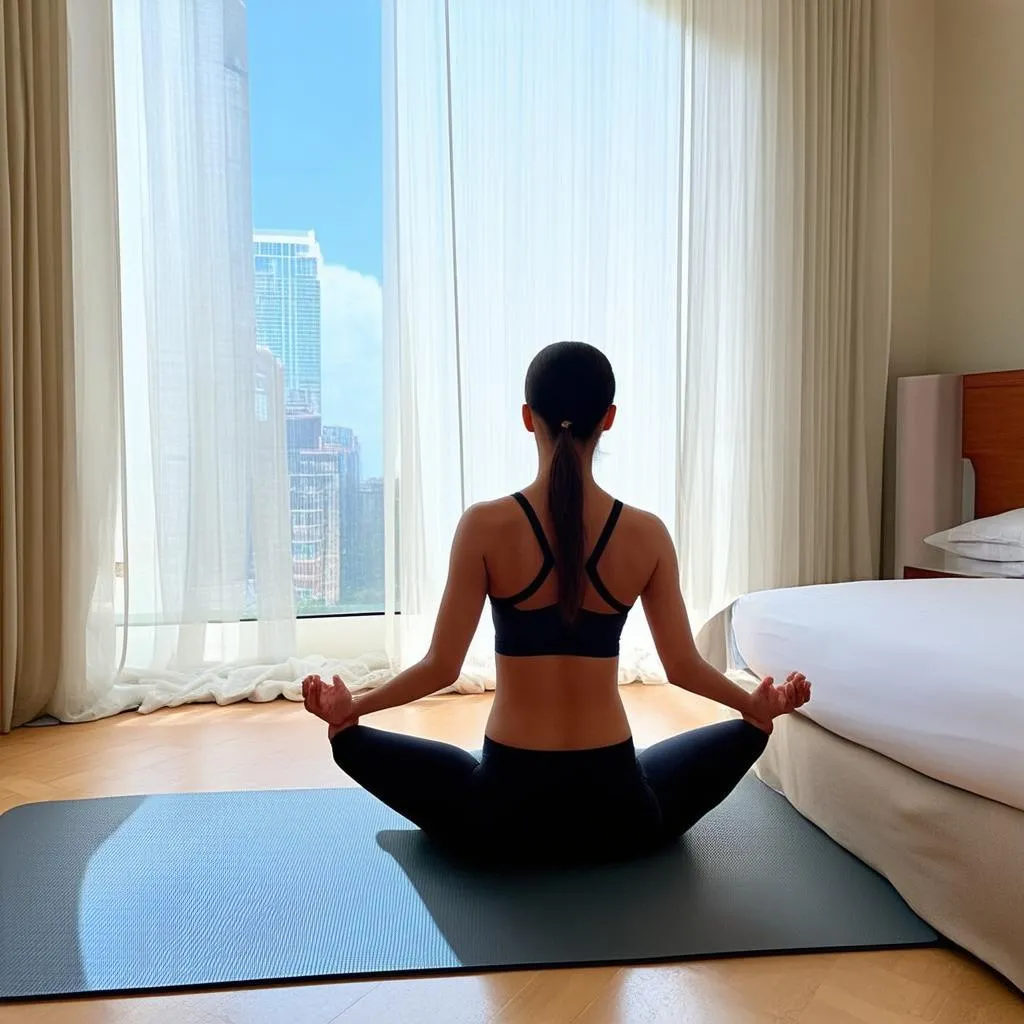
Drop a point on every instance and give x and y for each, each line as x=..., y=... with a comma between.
x=771, y=700
x=333, y=703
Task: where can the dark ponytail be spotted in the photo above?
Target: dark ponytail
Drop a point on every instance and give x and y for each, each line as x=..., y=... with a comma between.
x=565, y=506
x=570, y=386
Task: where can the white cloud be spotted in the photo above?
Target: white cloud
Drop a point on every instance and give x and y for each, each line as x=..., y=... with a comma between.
x=352, y=358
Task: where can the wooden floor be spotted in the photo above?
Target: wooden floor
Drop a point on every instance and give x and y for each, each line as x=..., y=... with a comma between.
x=279, y=746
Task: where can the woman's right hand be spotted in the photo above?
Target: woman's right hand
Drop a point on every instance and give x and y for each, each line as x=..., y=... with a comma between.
x=770, y=700
x=334, y=704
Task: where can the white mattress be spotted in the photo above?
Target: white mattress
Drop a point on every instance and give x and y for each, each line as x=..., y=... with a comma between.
x=927, y=672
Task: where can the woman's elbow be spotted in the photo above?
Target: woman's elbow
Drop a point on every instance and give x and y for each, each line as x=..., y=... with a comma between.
x=441, y=671
x=681, y=667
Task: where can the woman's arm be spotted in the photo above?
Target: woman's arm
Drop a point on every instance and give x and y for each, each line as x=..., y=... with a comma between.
x=673, y=638
x=457, y=620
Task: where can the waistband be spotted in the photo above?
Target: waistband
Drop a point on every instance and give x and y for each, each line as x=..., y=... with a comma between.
x=588, y=758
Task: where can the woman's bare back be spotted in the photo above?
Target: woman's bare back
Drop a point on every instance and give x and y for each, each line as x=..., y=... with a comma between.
x=560, y=702
x=558, y=616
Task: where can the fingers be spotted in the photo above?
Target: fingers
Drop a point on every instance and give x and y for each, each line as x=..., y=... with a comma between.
x=316, y=702
x=787, y=696
x=801, y=692
x=781, y=698
x=331, y=703
x=798, y=689
x=312, y=692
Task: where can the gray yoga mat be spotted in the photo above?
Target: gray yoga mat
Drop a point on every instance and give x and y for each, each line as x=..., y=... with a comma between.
x=135, y=893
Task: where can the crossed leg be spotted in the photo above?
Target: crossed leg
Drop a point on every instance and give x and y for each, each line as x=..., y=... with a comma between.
x=695, y=771
x=430, y=783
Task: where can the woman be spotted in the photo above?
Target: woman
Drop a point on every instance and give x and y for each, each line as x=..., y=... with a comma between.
x=562, y=563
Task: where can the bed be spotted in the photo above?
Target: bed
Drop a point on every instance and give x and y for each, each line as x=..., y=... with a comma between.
x=911, y=754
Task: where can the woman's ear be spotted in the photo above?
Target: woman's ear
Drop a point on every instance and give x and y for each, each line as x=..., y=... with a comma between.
x=609, y=418
x=528, y=418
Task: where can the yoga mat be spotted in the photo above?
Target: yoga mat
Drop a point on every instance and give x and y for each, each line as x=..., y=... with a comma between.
x=126, y=894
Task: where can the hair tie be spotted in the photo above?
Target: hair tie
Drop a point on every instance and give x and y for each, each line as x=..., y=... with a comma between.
x=566, y=424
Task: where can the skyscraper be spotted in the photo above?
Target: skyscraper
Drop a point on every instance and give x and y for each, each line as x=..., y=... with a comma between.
x=369, y=555
x=343, y=442
x=316, y=529
x=302, y=430
x=287, y=271
x=286, y=266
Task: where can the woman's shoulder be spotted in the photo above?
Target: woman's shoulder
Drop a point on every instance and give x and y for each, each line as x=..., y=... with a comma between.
x=641, y=533
x=640, y=519
x=499, y=513
x=495, y=513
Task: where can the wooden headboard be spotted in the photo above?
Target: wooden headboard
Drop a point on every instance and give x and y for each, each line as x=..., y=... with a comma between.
x=993, y=439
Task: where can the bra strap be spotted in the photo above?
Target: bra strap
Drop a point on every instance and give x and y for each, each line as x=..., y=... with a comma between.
x=538, y=530
x=606, y=533
x=602, y=543
x=549, y=559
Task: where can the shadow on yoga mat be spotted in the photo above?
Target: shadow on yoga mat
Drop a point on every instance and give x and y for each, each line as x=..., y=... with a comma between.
x=187, y=890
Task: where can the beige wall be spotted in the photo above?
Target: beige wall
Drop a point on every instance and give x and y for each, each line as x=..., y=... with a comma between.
x=977, y=286
x=958, y=185
x=957, y=86
x=912, y=42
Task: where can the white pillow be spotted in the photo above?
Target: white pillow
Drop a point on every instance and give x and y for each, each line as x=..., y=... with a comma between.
x=981, y=567
x=995, y=539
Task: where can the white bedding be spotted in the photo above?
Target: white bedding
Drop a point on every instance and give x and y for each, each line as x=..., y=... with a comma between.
x=978, y=567
x=927, y=672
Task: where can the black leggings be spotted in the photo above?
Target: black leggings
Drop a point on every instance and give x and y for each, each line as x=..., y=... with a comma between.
x=526, y=806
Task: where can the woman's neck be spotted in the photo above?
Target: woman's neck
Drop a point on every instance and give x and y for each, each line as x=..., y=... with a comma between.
x=586, y=465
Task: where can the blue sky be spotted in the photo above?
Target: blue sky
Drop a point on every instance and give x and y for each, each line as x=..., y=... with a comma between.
x=315, y=123
x=315, y=111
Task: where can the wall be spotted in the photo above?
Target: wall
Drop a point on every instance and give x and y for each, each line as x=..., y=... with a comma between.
x=912, y=28
x=957, y=87
x=912, y=75
x=977, y=266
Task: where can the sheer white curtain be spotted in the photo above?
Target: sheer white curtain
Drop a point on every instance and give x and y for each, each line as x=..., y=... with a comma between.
x=185, y=521
x=786, y=277
x=697, y=186
x=701, y=189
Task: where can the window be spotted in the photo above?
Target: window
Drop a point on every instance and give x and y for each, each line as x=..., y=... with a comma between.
x=314, y=83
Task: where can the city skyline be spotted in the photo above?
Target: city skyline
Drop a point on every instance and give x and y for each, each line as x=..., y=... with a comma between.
x=314, y=92
x=315, y=109
x=288, y=137
x=287, y=289
x=336, y=516
x=344, y=377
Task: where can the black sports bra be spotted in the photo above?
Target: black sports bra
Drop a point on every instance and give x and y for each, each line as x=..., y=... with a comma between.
x=531, y=632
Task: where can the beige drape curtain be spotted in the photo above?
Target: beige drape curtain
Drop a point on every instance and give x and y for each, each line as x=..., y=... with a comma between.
x=35, y=354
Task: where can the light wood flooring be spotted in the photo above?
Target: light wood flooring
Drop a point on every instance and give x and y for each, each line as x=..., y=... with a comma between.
x=279, y=746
